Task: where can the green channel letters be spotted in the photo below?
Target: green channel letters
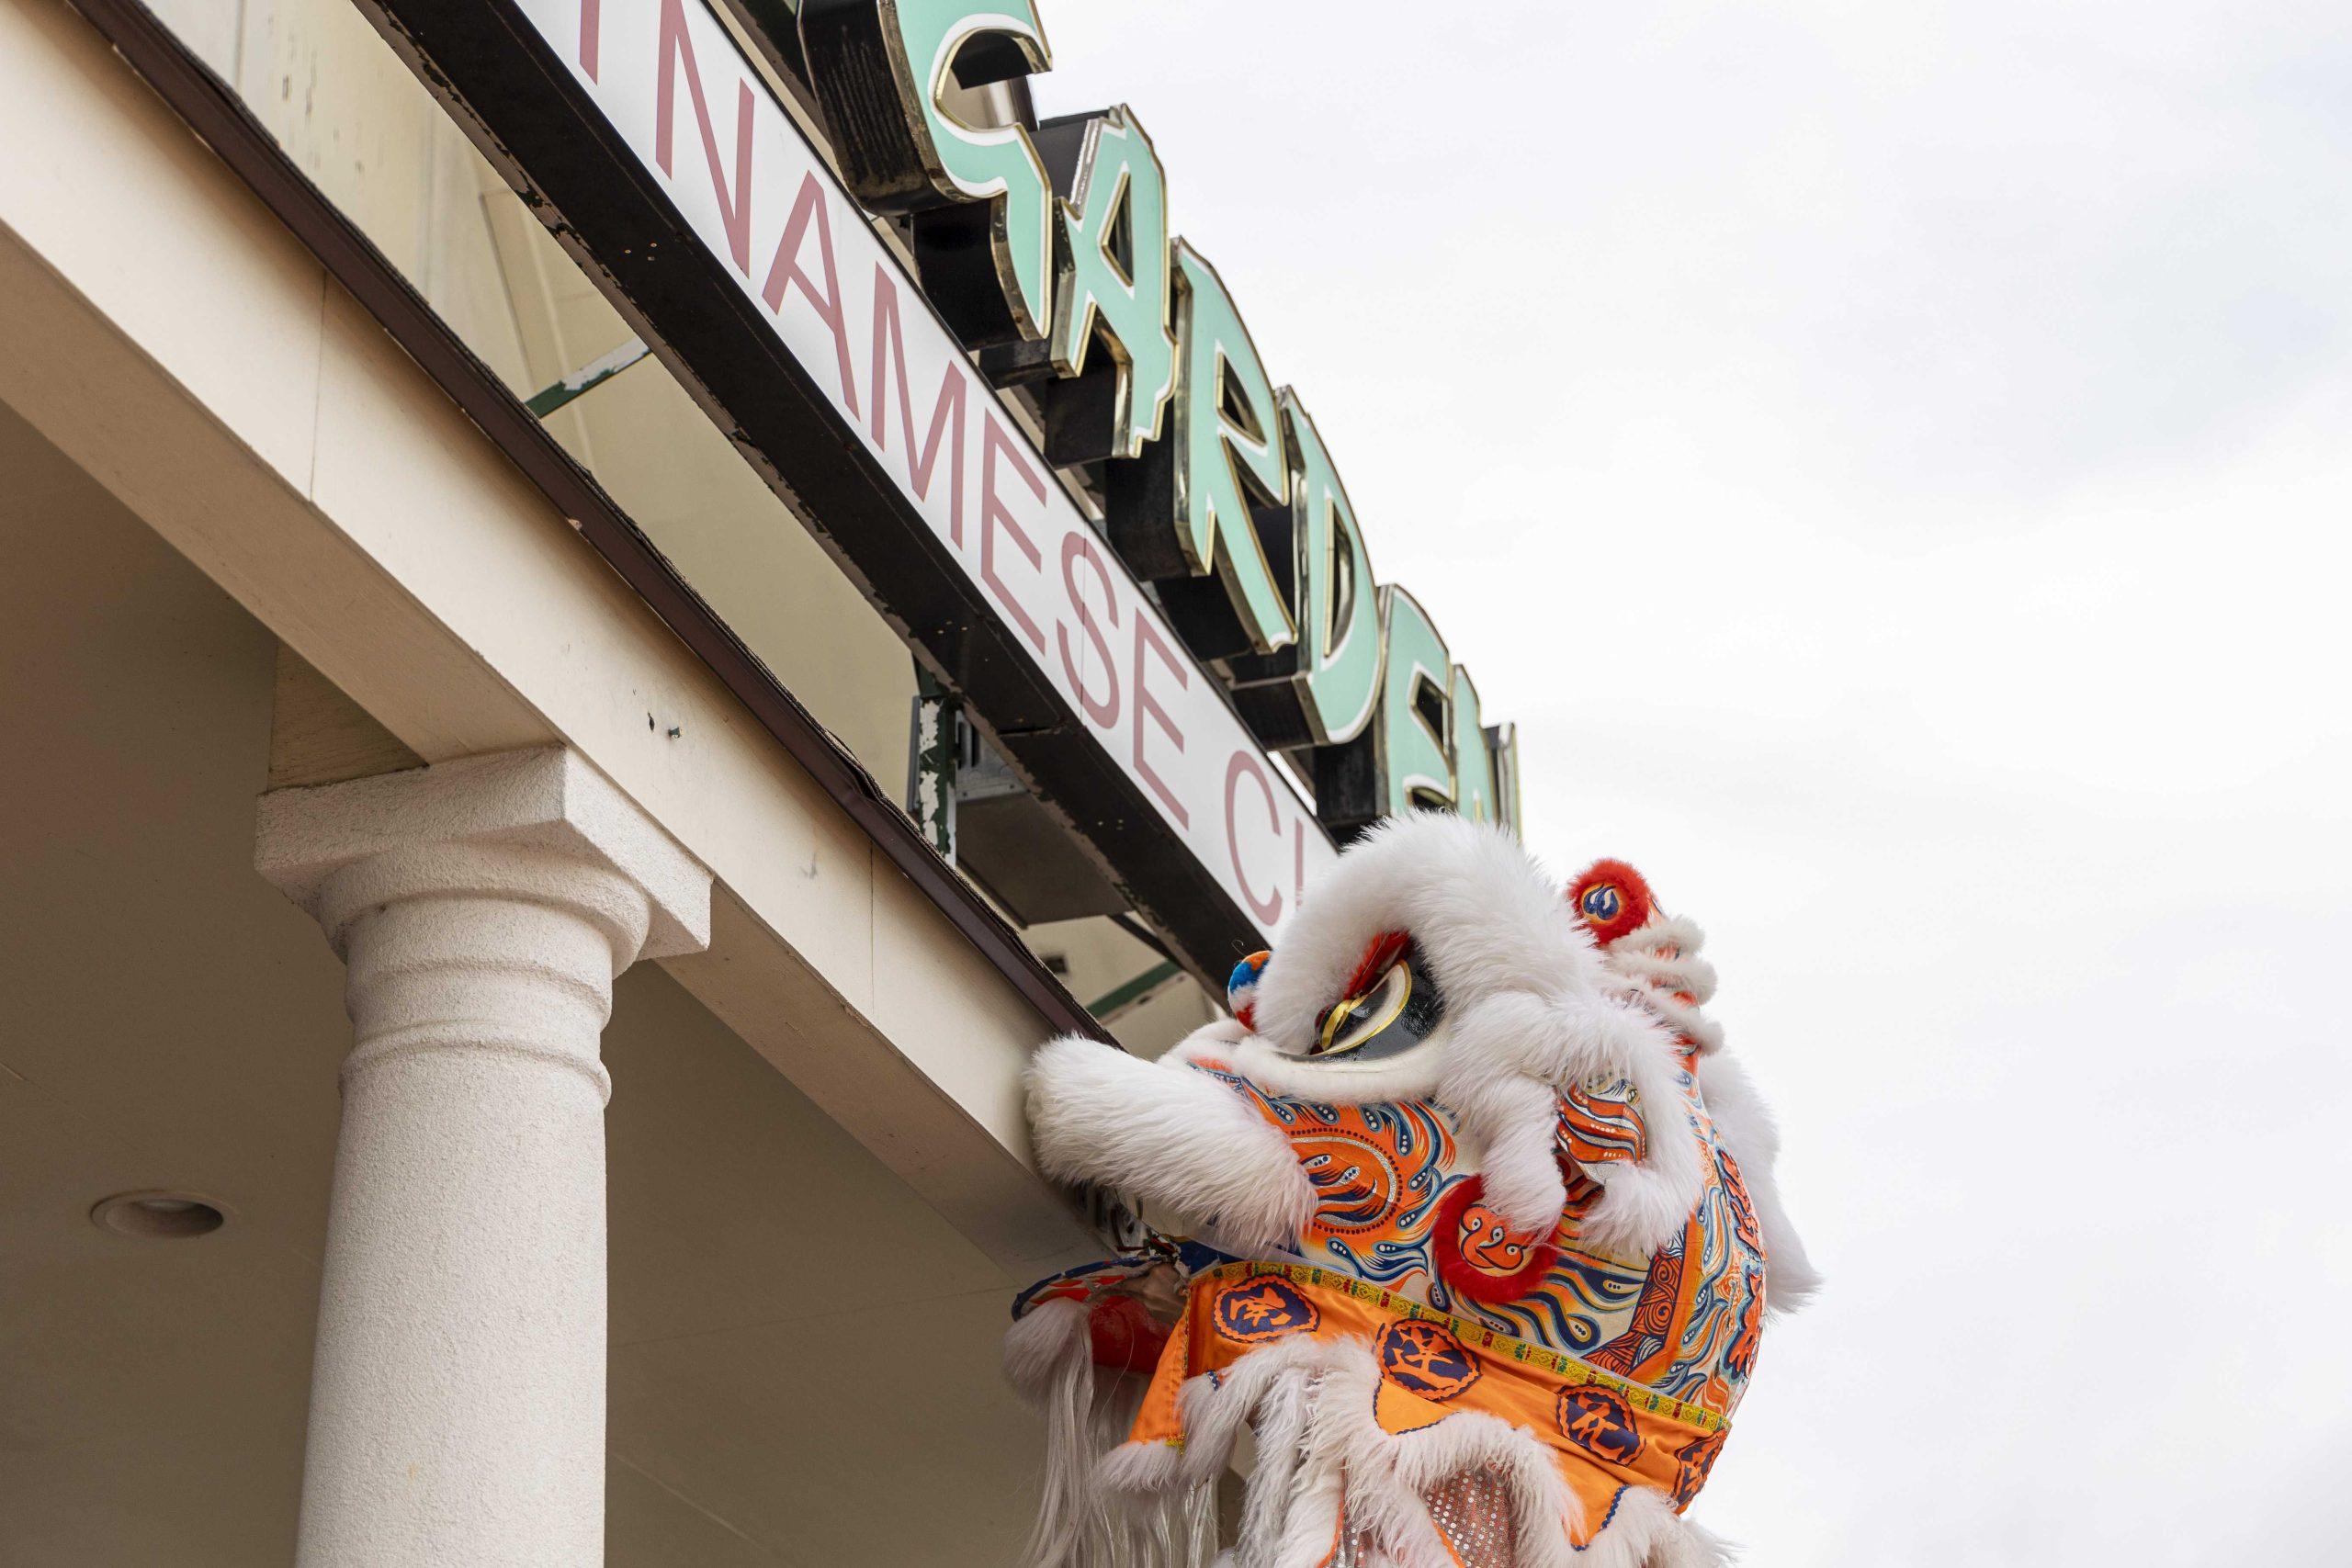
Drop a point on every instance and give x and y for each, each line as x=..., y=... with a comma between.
x=1474, y=795
x=1339, y=664
x=1411, y=729
x=1502, y=756
x=1152, y=392
x=998, y=164
x=1113, y=275
x=1229, y=444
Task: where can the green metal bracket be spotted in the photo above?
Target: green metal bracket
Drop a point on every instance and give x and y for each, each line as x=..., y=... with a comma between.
x=594, y=374
x=932, y=761
x=1134, y=993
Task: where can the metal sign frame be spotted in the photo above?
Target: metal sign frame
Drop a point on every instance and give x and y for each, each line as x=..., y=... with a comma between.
x=526, y=107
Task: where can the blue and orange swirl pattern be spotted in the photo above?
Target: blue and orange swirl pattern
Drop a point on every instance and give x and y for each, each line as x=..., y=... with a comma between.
x=1684, y=1322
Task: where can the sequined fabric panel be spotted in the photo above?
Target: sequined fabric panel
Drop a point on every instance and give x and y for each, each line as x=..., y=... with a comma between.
x=1474, y=1512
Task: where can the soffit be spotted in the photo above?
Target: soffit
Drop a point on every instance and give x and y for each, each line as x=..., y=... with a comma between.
x=791, y=1323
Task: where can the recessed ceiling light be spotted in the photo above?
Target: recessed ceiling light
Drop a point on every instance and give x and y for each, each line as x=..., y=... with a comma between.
x=157, y=1216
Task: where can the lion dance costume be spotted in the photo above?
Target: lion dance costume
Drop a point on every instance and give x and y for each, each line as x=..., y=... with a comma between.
x=1486, y=1236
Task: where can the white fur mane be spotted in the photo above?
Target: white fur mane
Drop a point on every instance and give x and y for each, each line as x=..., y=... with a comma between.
x=1530, y=1009
x=1533, y=1008
x=1661, y=961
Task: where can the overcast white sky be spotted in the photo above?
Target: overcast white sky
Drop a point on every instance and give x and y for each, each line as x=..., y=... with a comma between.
x=1891, y=459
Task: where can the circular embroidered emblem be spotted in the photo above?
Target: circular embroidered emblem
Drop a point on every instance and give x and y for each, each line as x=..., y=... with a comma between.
x=1357, y=1184
x=1263, y=1306
x=1477, y=1256
x=1693, y=1460
x=1423, y=1358
x=1598, y=1421
x=1601, y=902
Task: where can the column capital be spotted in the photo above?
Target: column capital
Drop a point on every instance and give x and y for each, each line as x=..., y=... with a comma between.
x=453, y=819
x=482, y=908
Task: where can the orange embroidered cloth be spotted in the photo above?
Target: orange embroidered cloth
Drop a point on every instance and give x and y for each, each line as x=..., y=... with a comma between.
x=1606, y=1433
x=1394, y=1207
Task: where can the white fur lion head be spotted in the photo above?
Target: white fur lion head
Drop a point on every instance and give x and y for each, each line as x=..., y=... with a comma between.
x=1438, y=960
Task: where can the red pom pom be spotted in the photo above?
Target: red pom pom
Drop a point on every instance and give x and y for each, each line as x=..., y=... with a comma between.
x=1611, y=899
x=1125, y=1335
x=1476, y=1257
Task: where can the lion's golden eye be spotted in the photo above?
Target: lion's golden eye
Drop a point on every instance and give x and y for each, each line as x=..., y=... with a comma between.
x=1360, y=1018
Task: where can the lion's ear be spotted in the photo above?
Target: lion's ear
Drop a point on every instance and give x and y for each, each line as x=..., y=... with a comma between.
x=1241, y=988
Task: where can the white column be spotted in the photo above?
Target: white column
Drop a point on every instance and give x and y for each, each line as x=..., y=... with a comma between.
x=483, y=907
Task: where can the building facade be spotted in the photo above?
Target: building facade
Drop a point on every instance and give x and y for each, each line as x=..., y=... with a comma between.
x=539, y=854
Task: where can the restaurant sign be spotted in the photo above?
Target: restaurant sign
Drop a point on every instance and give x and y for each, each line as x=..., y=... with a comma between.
x=636, y=124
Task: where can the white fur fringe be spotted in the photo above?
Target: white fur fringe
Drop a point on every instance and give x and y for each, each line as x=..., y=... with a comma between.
x=1320, y=1457
x=1049, y=1361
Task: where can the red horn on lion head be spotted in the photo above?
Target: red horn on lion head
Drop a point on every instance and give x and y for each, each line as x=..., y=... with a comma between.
x=1611, y=898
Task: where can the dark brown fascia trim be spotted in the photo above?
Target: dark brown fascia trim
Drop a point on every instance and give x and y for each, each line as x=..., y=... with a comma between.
x=214, y=112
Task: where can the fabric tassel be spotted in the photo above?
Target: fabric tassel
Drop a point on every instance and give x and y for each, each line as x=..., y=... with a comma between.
x=1281, y=1434
x=1200, y=1527
x=1471, y=1492
x=1048, y=1359
x=1050, y=1362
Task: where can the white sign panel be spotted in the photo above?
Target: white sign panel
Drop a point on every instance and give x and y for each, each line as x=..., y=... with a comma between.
x=671, y=80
